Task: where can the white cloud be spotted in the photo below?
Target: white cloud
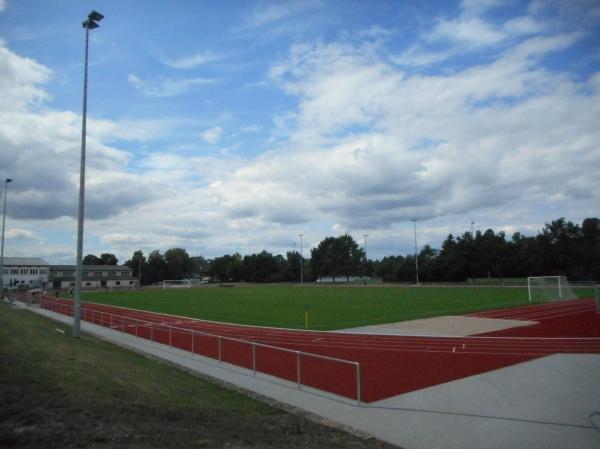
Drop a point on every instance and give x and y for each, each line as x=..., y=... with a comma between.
x=471, y=31
x=2, y=5
x=192, y=61
x=212, y=135
x=20, y=234
x=168, y=87
x=20, y=80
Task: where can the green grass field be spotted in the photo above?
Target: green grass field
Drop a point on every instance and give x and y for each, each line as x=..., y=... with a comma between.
x=330, y=307
x=61, y=392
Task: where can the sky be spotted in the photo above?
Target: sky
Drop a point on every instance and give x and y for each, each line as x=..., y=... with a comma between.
x=235, y=126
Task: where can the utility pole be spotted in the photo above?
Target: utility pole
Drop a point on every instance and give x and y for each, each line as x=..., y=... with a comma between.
x=365, y=256
x=414, y=220
x=92, y=22
x=2, y=251
x=301, y=261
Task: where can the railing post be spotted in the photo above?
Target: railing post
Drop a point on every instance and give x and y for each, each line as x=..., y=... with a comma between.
x=254, y=358
x=170, y=336
x=136, y=328
x=298, y=369
x=111, y=320
x=152, y=332
x=193, y=343
x=358, y=383
x=219, y=344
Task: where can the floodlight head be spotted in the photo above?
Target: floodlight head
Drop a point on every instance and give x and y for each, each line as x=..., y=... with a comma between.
x=89, y=24
x=95, y=16
x=7, y=180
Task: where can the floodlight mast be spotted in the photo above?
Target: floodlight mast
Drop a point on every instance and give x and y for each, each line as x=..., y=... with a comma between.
x=365, y=256
x=89, y=24
x=414, y=220
x=6, y=181
x=301, y=261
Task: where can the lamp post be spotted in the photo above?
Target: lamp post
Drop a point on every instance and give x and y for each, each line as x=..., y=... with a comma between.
x=301, y=261
x=6, y=181
x=92, y=22
x=414, y=220
x=472, y=223
x=365, y=255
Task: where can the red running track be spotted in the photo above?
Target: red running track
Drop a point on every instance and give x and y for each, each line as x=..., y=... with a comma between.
x=389, y=365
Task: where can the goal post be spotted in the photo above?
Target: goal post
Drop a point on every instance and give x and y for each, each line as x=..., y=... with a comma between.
x=177, y=283
x=549, y=288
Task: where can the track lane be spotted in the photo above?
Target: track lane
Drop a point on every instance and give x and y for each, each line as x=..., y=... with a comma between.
x=390, y=364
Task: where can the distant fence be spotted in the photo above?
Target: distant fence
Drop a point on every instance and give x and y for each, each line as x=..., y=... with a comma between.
x=338, y=376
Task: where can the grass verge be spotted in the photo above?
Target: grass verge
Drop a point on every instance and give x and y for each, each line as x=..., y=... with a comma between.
x=61, y=392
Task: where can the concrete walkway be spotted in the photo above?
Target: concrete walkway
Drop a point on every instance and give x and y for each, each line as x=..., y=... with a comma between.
x=545, y=403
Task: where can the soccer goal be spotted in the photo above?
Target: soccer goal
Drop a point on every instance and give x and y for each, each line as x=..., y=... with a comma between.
x=549, y=288
x=177, y=283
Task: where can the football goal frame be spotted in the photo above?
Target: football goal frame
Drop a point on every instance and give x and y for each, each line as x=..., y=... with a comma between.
x=553, y=288
x=177, y=283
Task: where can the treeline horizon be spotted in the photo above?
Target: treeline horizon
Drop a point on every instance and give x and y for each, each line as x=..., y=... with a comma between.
x=560, y=248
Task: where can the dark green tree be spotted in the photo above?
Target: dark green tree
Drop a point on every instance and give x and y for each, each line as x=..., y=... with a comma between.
x=108, y=259
x=90, y=259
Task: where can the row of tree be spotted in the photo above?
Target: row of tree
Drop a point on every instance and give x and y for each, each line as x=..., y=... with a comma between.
x=561, y=248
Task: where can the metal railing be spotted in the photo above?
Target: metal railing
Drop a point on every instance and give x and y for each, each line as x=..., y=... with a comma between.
x=172, y=336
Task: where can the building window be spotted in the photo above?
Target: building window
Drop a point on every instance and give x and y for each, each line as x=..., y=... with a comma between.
x=117, y=282
x=118, y=274
x=104, y=274
x=87, y=284
x=5, y=271
x=14, y=271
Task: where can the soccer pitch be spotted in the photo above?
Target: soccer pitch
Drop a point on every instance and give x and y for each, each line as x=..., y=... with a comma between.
x=329, y=307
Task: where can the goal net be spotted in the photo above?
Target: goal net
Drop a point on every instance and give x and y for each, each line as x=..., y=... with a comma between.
x=177, y=283
x=549, y=288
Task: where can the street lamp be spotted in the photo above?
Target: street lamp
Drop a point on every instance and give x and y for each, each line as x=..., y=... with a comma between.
x=365, y=255
x=6, y=181
x=92, y=22
x=301, y=261
x=414, y=220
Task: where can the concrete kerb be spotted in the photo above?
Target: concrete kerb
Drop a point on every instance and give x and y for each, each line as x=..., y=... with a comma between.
x=514, y=407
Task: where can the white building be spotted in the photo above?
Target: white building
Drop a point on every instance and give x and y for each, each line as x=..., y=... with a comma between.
x=94, y=276
x=25, y=272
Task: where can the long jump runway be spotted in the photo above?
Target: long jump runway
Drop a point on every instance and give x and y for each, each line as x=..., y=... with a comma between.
x=389, y=364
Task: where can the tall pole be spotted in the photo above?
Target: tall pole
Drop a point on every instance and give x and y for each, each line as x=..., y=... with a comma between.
x=414, y=220
x=365, y=256
x=2, y=250
x=301, y=261
x=472, y=223
x=89, y=24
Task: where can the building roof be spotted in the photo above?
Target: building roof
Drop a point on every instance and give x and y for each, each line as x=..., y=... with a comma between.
x=90, y=268
x=23, y=261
